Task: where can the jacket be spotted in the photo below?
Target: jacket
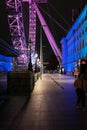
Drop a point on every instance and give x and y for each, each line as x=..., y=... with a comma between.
x=80, y=83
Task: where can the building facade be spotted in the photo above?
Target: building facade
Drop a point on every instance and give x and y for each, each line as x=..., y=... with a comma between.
x=74, y=45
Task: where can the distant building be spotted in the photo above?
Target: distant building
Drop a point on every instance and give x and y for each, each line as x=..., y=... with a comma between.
x=74, y=45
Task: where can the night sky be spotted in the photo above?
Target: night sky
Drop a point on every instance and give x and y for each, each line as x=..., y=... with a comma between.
x=64, y=7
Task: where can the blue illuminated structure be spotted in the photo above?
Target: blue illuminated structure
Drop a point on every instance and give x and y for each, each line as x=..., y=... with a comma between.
x=7, y=52
x=74, y=45
x=5, y=63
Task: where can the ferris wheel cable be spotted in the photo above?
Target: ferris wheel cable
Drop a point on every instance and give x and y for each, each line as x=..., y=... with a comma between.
x=53, y=20
x=59, y=15
x=48, y=32
x=48, y=12
x=52, y=25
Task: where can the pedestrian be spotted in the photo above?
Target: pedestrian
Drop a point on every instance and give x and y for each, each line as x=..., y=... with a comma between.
x=80, y=86
x=76, y=72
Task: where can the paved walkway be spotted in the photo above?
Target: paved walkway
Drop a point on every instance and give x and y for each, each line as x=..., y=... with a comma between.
x=52, y=106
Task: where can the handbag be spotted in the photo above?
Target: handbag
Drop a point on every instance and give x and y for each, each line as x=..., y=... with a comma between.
x=78, y=83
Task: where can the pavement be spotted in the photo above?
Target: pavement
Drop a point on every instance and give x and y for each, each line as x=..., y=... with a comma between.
x=51, y=106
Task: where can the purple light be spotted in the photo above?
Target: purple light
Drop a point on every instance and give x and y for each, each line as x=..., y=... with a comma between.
x=17, y=29
x=48, y=34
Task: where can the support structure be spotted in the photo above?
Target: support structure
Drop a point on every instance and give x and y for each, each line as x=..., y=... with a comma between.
x=41, y=52
x=15, y=20
x=30, y=62
x=48, y=34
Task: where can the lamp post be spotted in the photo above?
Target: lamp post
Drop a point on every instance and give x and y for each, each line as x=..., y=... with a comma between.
x=41, y=53
x=36, y=56
x=30, y=63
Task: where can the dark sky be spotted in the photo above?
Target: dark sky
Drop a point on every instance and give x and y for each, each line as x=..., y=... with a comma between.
x=64, y=7
x=61, y=12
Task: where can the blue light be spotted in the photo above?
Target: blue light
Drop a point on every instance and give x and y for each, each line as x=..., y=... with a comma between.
x=5, y=63
x=74, y=45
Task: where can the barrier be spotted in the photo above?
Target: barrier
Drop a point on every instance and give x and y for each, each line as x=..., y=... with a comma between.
x=21, y=82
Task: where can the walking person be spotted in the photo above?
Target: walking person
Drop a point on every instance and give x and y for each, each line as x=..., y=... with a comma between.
x=76, y=72
x=80, y=86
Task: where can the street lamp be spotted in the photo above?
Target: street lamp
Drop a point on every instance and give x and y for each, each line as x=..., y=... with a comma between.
x=30, y=63
x=36, y=56
x=41, y=53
